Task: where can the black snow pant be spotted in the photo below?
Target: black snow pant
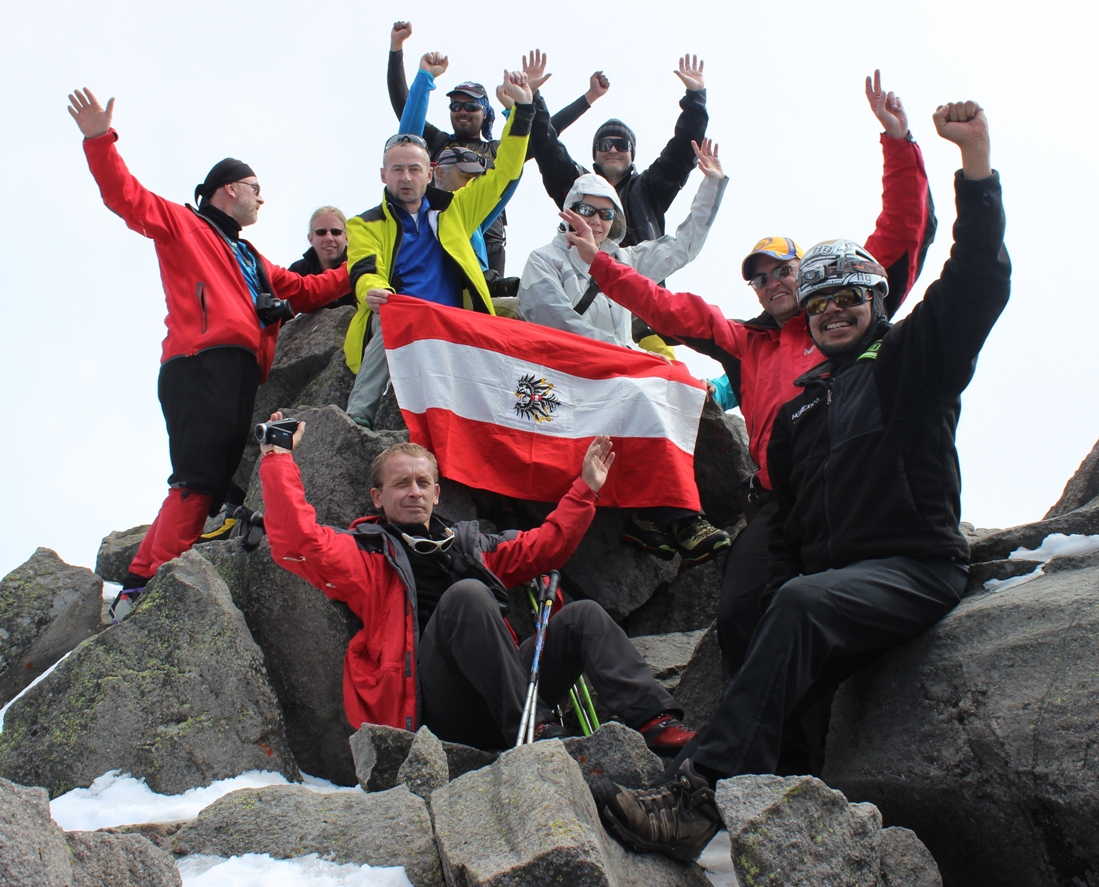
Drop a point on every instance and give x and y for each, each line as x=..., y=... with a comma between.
x=813, y=625
x=473, y=680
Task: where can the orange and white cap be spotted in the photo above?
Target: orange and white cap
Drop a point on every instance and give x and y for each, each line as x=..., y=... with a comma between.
x=781, y=248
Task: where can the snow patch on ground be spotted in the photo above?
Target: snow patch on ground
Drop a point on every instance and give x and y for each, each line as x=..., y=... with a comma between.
x=1054, y=545
x=260, y=870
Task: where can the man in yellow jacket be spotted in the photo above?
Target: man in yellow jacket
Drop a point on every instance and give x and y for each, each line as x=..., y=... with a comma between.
x=417, y=243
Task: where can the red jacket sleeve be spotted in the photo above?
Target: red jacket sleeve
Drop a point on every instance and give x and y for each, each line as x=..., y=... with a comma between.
x=331, y=561
x=537, y=551
x=906, y=225
x=312, y=291
x=141, y=209
x=682, y=315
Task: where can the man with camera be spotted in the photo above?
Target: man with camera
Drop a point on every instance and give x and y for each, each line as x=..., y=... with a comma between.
x=225, y=305
x=435, y=648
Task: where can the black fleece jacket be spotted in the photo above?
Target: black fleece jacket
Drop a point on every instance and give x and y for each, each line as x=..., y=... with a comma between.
x=864, y=463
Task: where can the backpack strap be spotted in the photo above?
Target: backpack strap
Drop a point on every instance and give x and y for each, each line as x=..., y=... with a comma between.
x=589, y=296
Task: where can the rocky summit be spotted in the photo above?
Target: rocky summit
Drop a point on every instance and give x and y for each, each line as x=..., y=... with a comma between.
x=961, y=758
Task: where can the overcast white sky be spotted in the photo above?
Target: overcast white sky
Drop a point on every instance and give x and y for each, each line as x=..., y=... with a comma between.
x=299, y=93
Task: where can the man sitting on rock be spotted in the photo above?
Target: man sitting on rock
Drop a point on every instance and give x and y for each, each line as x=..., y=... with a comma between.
x=435, y=648
x=865, y=545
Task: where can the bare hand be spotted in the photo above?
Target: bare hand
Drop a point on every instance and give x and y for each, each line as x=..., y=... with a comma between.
x=690, y=72
x=376, y=298
x=597, y=462
x=965, y=124
x=515, y=85
x=887, y=108
x=598, y=85
x=435, y=63
x=535, y=69
x=266, y=448
x=400, y=33
x=580, y=236
x=89, y=115
x=707, y=159
x=503, y=98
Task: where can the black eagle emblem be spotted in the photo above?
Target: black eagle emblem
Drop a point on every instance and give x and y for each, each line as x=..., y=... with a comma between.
x=535, y=399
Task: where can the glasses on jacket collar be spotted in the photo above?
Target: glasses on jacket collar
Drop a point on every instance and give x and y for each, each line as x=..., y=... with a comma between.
x=586, y=210
x=323, y=232
x=403, y=137
x=468, y=107
x=759, y=281
x=607, y=142
x=423, y=545
x=847, y=297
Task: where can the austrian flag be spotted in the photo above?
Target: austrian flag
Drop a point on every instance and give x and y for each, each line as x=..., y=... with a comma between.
x=511, y=407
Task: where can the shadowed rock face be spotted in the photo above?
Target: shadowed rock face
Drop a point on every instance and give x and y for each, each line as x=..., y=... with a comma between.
x=978, y=735
x=383, y=829
x=1082, y=488
x=177, y=694
x=46, y=609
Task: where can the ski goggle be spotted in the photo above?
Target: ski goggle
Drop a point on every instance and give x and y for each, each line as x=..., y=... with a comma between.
x=423, y=545
x=759, y=281
x=586, y=210
x=848, y=297
x=618, y=143
x=468, y=107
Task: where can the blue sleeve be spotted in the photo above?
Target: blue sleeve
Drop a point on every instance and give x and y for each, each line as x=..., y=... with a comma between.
x=499, y=208
x=415, y=110
x=723, y=393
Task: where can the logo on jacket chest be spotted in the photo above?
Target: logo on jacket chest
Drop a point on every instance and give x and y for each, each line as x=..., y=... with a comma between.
x=803, y=409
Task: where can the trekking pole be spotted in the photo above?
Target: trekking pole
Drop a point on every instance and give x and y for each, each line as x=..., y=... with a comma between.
x=581, y=715
x=546, y=594
x=585, y=695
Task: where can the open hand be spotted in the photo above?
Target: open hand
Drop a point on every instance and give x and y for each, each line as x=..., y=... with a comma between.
x=535, y=69
x=400, y=33
x=90, y=116
x=581, y=236
x=887, y=108
x=707, y=159
x=597, y=462
x=435, y=63
x=690, y=72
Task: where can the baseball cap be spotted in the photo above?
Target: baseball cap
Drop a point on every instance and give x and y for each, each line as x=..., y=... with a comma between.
x=781, y=248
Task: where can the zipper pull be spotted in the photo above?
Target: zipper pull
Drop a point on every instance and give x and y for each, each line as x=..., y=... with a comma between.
x=829, y=401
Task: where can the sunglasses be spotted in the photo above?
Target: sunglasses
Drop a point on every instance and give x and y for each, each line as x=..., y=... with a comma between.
x=469, y=107
x=423, y=545
x=323, y=232
x=608, y=142
x=759, y=281
x=587, y=211
x=848, y=297
x=404, y=137
x=456, y=155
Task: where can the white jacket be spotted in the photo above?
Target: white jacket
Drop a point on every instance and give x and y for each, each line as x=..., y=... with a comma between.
x=555, y=278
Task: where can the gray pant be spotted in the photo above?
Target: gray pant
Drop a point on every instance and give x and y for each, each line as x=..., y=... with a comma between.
x=373, y=377
x=813, y=626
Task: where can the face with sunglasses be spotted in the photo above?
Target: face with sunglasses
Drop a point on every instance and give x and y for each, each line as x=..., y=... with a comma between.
x=614, y=157
x=328, y=239
x=466, y=116
x=775, y=283
x=409, y=490
x=839, y=317
x=599, y=213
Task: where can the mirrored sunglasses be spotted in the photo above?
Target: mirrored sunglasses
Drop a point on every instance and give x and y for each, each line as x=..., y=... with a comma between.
x=848, y=297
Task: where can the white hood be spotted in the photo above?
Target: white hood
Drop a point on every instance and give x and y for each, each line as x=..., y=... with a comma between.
x=597, y=186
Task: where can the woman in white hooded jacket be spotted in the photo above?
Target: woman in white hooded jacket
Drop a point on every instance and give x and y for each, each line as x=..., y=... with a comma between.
x=556, y=290
x=555, y=282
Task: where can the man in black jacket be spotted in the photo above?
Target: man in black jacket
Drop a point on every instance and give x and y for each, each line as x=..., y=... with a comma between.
x=327, y=248
x=865, y=543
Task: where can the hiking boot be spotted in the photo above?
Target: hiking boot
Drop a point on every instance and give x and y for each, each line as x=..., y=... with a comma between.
x=365, y=423
x=677, y=819
x=645, y=534
x=122, y=605
x=698, y=540
x=666, y=734
x=251, y=530
x=550, y=730
x=233, y=517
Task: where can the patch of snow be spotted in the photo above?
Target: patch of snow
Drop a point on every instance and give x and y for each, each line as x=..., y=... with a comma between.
x=260, y=870
x=117, y=798
x=1054, y=545
x=4, y=710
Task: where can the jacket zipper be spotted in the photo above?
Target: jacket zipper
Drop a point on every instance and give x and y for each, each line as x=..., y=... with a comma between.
x=200, y=294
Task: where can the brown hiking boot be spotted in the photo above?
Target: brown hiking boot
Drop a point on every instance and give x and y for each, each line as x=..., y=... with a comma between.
x=677, y=819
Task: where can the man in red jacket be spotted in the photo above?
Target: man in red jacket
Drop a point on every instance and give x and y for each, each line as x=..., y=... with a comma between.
x=225, y=305
x=435, y=648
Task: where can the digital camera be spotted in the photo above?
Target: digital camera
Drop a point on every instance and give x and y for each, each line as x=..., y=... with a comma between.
x=272, y=310
x=281, y=434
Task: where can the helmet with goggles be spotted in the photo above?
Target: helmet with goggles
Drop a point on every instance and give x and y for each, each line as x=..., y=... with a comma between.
x=835, y=264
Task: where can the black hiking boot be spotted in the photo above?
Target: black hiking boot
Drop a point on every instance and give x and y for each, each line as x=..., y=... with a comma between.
x=651, y=537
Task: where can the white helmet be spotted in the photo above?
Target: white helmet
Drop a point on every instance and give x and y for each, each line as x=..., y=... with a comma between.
x=835, y=263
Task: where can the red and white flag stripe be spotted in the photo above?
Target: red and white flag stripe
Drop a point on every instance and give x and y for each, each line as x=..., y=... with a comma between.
x=511, y=407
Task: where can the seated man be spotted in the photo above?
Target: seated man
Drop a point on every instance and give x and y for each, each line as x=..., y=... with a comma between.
x=556, y=290
x=417, y=242
x=434, y=648
x=327, y=248
x=865, y=545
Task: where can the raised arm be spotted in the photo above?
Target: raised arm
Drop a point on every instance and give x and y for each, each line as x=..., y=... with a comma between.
x=906, y=226
x=432, y=65
x=555, y=164
x=395, y=78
